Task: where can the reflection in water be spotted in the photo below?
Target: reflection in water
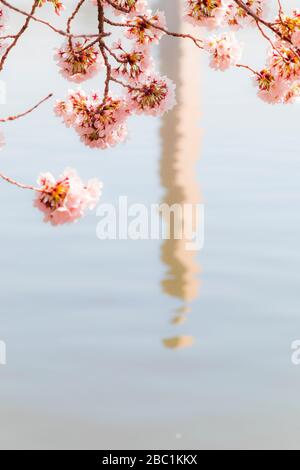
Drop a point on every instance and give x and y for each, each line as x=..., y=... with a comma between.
x=179, y=342
x=181, y=137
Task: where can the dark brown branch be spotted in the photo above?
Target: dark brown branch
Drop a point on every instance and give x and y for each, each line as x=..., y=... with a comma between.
x=102, y=47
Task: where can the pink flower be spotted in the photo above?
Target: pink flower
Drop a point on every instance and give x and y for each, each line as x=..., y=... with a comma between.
x=270, y=88
x=155, y=96
x=100, y=124
x=77, y=62
x=225, y=51
x=293, y=94
x=288, y=26
x=64, y=109
x=143, y=32
x=236, y=17
x=284, y=62
x=209, y=13
x=132, y=65
x=67, y=199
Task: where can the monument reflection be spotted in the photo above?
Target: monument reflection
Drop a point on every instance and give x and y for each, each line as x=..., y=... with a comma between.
x=180, y=143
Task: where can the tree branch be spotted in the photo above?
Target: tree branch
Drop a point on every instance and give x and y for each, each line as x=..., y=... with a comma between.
x=18, y=116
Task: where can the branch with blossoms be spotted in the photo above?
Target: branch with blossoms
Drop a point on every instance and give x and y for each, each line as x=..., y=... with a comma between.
x=100, y=118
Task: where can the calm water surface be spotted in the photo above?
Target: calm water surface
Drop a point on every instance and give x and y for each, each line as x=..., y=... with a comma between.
x=88, y=324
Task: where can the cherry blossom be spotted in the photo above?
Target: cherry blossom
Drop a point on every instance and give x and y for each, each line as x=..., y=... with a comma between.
x=119, y=52
x=270, y=88
x=78, y=61
x=284, y=62
x=236, y=17
x=288, y=26
x=155, y=96
x=66, y=199
x=225, y=51
x=99, y=123
x=293, y=94
x=141, y=30
x=132, y=66
x=209, y=13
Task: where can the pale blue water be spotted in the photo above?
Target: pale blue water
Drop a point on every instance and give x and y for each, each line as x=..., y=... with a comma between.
x=84, y=319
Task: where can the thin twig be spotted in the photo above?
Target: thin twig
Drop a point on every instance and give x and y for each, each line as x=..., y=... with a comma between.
x=19, y=185
x=18, y=35
x=18, y=116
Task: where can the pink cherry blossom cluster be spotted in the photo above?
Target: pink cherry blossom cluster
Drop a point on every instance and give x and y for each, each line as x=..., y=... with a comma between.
x=217, y=13
x=131, y=66
x=100, y=117
x=236, y=17
x=208, y=13
x=154, y=96
x=67, y=199
x=224, y=50
x=99, y=123
x=279, y=80
x=78, y=61
x=146, y=29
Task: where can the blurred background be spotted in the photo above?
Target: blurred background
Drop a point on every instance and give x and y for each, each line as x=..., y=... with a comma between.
x=140, y=344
